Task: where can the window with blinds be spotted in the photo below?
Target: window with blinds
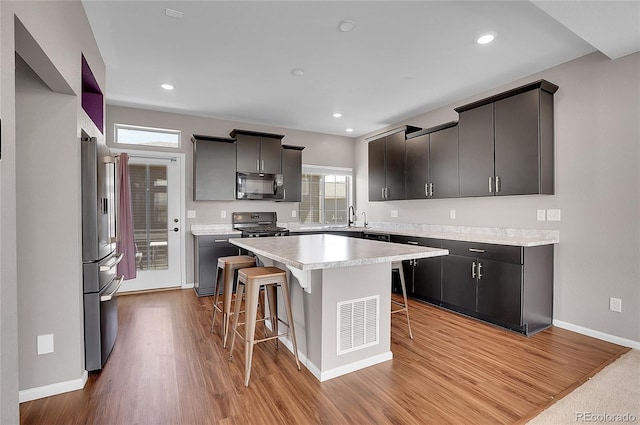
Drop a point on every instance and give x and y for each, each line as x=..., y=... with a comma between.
x=150, y=215
x=326, y=195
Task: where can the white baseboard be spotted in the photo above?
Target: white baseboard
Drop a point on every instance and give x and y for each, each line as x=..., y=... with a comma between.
x=597, y=334
x=187, y=285
x=53, y=389
x=338, y=371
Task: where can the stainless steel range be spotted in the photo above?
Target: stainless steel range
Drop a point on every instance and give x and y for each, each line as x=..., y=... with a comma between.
x=258, y=224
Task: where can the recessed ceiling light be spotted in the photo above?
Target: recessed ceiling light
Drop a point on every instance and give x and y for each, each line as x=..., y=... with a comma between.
x=349, y=130
x=346, y=25
x=486, y=38
x=297, y=72
x=167, y=86
x=337, y=115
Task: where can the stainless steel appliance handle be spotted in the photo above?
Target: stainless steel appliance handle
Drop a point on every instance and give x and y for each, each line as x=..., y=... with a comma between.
x=109, y=296
x=112, y=263
x=476, y=250
x=473, y=270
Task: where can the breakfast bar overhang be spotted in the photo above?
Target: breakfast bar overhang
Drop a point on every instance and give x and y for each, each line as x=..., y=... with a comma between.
x=342, y=302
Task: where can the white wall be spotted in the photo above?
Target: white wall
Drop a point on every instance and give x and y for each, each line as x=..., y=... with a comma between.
x=597, y=138
x=60, y=32
x=320, y=149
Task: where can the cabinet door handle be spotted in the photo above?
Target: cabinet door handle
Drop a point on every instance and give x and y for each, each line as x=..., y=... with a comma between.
x=220, y=240
x=426, y=190
x=412, y=242
x=262, y=166
x=473, y=270
x=431, y=189
x=490, y=184
x=479, y=270
x=382, y=191
x=477, y=250
x=497, y=184
x=257, y=165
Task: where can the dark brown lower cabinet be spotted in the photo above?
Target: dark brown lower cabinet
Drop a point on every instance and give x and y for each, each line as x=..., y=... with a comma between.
x=509, y=286
x=207, y=250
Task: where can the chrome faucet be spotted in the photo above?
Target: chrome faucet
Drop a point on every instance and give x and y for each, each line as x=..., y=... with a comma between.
x=352, y=213
x=364, y=214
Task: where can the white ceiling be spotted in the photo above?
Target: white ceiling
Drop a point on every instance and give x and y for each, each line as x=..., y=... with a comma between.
x=233, y=59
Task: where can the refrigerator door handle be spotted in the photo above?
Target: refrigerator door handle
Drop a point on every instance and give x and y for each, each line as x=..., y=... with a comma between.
x=112, y=263
x=107, y=297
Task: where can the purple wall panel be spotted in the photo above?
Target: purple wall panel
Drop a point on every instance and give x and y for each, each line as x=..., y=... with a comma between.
x=92, y=97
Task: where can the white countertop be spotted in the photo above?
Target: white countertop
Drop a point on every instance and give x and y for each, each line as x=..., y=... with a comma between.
x=314, y=252
x=492, y=235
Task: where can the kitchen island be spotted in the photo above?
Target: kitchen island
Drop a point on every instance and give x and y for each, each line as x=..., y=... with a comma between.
x=342, y=302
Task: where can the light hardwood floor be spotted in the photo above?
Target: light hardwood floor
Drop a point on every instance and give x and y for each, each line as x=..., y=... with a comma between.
x=166, y=368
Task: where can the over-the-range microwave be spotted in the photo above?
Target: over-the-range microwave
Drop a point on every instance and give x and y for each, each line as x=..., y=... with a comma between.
x=259, y=186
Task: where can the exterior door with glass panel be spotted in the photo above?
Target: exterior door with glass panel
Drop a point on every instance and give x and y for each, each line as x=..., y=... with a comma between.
x=155, y=196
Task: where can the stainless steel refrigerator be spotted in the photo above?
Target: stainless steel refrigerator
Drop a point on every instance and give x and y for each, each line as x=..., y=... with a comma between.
x=99, y=257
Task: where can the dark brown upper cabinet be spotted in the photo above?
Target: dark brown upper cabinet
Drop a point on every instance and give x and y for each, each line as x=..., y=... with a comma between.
x=506, y=143
x=214, y=168
x=387, y=153
x=432, y=163
x=292, y=173
x=258, y=152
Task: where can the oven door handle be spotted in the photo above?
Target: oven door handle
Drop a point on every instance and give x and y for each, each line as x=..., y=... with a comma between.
x=112, y=263
x=118, y=283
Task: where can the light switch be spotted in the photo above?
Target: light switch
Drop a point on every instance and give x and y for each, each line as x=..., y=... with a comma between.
x=541, y=215
x=452, y=214
x=223, y=214
x=394, y=213
x=45, y=344
x=294, y=213
x=191, y=213
x=553, y=215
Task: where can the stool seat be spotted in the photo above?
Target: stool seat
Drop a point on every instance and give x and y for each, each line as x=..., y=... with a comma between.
x=225, y=271
x=249, y=281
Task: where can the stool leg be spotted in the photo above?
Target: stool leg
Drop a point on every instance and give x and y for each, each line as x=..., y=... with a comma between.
x=404, y=295
x=236, y=314
x=226, y=302
x=273, y=310
x=215, y=300
x=287, y=306
x=251, y=310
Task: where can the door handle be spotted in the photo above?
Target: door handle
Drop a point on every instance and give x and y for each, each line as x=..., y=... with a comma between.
x=497, y=184
x=490, y=184
x=473, y=270
x=479, y=270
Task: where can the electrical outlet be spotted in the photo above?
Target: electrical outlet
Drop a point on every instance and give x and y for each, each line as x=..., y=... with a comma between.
x=542, y=215
x=615, y=304
x=45, y=344
x=294, y=213
x=553, y=215
x=394, y=213
x=452, y=214
x=223, y=214
x=191, y=213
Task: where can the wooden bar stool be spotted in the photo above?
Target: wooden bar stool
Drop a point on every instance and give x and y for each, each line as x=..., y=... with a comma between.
x=249, y=281
x=225, y=272
x=397, y=265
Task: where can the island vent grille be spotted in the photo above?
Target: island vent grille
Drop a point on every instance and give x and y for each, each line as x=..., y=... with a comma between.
x=358, y=324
